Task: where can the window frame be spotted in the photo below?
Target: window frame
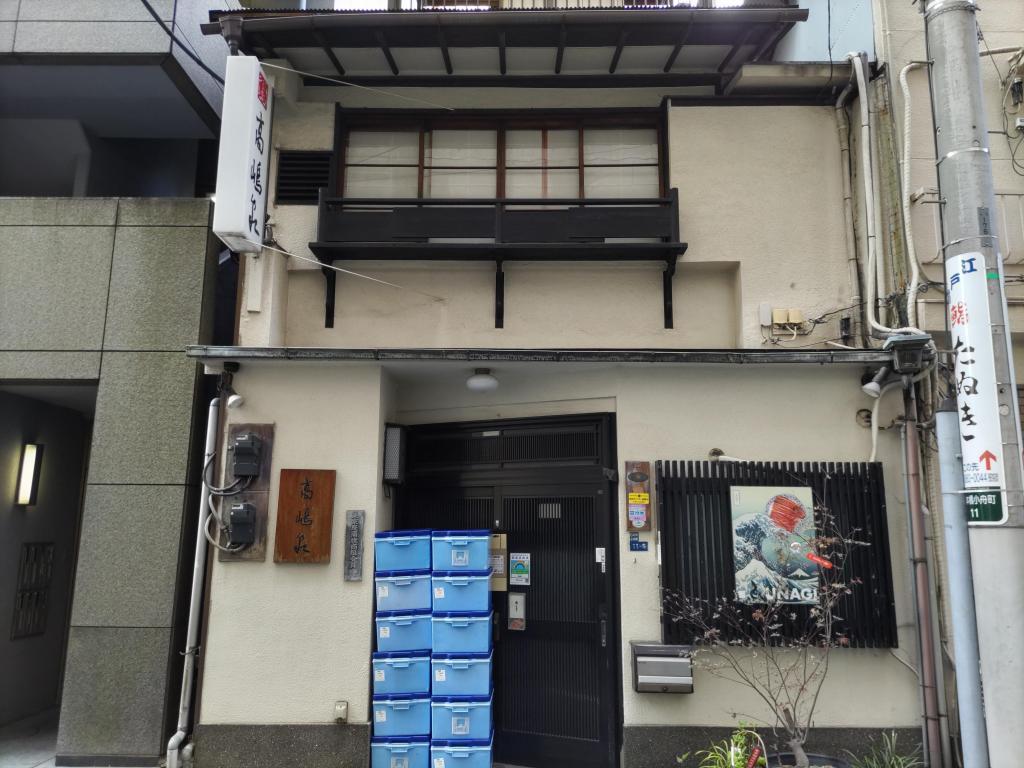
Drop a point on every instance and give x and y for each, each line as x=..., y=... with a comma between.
x=500, y=121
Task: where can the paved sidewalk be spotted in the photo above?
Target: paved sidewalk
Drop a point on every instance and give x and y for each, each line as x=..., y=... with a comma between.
x=29, y=743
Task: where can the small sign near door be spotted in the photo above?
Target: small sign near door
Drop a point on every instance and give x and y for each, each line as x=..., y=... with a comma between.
x=519, y=569
x=638, y=495
x=516, y=611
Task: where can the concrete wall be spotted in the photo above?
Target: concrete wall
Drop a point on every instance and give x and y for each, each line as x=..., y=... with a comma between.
x=111, y=291
x=31, y=666
x=285, y=641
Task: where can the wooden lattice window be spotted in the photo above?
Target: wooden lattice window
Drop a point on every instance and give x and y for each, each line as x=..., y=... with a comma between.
x=32, y=599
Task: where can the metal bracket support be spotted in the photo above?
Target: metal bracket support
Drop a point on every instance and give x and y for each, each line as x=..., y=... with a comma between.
x=330, y=276
x=666, y=283
x=499, y=295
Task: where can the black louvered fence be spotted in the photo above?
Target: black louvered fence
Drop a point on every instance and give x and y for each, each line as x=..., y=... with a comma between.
x=694, y=502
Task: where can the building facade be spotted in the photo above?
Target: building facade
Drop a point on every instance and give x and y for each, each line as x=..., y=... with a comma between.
x=645, y=226
x=634, y=219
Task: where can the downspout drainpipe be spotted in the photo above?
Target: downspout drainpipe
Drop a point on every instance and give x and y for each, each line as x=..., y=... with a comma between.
x=195, y=605
x=973, y=738
x=908, y=231
x=874, y=275
x=843, y=125
x=867, y=173
x=922, y=588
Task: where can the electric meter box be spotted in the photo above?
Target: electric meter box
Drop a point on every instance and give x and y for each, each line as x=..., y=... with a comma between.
x=661, y=668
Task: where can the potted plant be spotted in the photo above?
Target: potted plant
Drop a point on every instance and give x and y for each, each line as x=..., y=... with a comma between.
x=776, y=649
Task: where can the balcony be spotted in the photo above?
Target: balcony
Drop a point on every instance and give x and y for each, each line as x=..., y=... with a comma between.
x=569, y=229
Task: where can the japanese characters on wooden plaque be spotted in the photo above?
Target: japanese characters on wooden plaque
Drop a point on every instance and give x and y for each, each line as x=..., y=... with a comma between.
x=305, y=511
x=638, y=495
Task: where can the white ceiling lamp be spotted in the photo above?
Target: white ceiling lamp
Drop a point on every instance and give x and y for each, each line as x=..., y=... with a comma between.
x=481, y=381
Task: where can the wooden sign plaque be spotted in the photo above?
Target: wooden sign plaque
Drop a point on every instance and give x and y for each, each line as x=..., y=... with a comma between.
x=305, y=512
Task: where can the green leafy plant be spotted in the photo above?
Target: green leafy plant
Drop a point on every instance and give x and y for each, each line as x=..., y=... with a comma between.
x=887, y=755
x=733, y=752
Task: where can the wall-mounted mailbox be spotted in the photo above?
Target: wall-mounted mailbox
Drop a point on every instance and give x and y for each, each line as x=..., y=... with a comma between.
x=661, y=668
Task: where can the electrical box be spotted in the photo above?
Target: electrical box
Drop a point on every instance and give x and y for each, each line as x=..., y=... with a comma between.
x=796, y=317
x=241, y=524
x=780, y=316
x=661, y=668
x=245, y=452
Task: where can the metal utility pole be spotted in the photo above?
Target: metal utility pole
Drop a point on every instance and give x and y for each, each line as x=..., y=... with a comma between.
x=973, y=740
x=986, y=393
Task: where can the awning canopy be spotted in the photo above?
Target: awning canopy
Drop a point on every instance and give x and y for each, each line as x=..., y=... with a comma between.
x=593, y=48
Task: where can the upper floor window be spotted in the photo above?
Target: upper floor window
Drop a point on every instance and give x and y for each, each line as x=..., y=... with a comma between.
x=502, y=159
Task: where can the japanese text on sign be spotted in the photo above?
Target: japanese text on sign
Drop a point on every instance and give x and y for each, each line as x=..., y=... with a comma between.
x=974, y=371
x=240, y=213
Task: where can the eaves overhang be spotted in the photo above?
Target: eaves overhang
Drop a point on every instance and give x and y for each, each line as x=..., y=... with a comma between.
x=524, y=48
x=215, y=355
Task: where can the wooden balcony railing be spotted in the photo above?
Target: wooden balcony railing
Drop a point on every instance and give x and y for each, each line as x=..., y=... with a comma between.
x=499, y=230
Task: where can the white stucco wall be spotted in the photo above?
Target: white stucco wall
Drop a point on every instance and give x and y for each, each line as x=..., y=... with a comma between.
x=763, y=221
x=285, y=642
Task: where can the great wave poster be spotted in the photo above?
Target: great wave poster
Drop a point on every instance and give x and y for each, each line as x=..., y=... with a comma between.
x=773, y=545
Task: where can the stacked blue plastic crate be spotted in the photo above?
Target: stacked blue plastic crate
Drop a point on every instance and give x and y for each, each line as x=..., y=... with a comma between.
x=401, y=665
x=460, y=665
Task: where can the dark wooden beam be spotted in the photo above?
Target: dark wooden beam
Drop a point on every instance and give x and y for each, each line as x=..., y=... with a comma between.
x=502, y=63
x=322, y=40
x=670, y=62
x=560, y=56
x=382, y=41
x=442, y=43
x=268, y=49
x=671, y=80
x=618, y=52
x=735, y=50
x=770, y=40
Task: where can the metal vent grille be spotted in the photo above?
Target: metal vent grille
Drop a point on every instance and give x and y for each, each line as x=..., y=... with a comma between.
x=696, y=522
x=301, y=176
x=32, y=599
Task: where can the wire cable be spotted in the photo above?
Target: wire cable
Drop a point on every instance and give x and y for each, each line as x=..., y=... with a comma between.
x=186, y=51
x=347, y=271
x=357, y=85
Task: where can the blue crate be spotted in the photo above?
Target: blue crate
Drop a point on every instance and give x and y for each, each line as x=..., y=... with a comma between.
x=401, y=714
x=459, y=718
x=461, y=550
x=401, y=671
x=400, y=752
x=403, y=630
x=466, y=674
x=461, y=632
x=402, y=591
x=445, y=753
x=402, y=550
x=461, y=591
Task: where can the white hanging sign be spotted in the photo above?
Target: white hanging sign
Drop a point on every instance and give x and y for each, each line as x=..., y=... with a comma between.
x=244, y=157
x=974, y=370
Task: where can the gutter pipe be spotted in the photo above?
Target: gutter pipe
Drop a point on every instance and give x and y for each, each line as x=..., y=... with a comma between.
x=849, y=239
x=922, y=587
x=174, y=746
x=873, y=276
x=908, y=232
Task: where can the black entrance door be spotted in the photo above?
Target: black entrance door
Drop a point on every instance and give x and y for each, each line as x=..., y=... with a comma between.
x=556, y=679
